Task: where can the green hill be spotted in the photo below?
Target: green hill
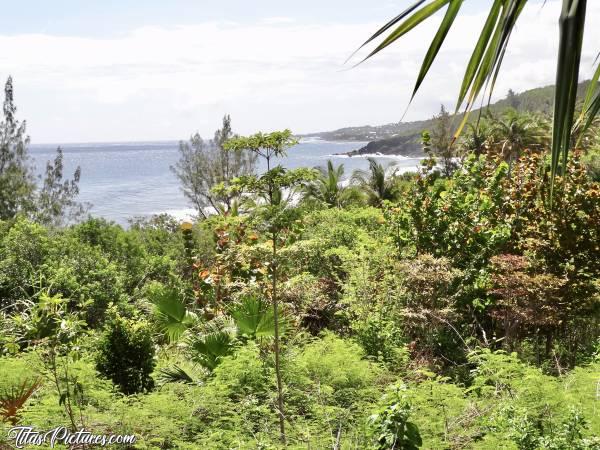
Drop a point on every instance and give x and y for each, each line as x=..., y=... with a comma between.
x=403, y=138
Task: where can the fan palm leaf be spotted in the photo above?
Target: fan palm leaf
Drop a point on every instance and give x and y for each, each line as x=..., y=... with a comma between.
x=172, y=315
x=213, y=343
x=13, y=399
x=175, y=374
x=253, y=317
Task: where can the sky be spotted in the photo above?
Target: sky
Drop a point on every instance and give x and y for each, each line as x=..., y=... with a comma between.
x=107, y=71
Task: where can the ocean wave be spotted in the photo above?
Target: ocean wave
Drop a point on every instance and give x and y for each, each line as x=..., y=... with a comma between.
x=377, y=155
x=179, y=214
x=317, y=140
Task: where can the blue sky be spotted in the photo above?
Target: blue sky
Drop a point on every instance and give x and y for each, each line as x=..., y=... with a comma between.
x=149, y=70
x=113, y=17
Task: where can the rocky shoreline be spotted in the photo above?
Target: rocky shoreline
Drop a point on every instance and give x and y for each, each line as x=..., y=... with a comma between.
x=409, y=146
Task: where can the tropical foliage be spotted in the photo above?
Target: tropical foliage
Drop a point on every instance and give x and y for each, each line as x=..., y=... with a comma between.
x=484, y=65
x=456, y=306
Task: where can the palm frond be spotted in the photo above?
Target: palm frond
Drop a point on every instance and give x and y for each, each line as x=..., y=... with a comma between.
x=170, y=311
x=438, y=40
x=13, y=399
x=572, y=24
x=388, y=25
x=175, y=374
x=213, y=343
x=375, y=182
x=327, y=188
x=404, y=27
x=590, y=108
x=253, y=317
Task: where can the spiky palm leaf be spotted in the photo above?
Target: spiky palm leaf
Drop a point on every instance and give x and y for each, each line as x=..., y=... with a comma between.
x=13, y=399
x=170, y=310
x=213, y=343
x=329, y=189
x=253, y=317
x=515, y=131
x=175, y=374
x=487, y=56
x=477, y=137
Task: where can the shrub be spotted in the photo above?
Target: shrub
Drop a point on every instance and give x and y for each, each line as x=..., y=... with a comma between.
x=243, y=373
x=335, y=377
x=390, y=426
x=126, y=355
x=337, y=363
x=22, y=250
x=313, y=302
x=383, y=339
x=85, y=276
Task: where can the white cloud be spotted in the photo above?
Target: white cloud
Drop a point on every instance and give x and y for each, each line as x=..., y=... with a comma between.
x=157, y=83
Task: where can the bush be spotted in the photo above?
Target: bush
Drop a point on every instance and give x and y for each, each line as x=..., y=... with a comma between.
x=383, y=339
x=333, y=373
x=390, y=425
x=85, y=276
x=22, y=250
x=126, y=355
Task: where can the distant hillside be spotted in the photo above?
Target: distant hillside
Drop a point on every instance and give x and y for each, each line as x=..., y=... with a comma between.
x=404, y=138
x=406, y=145
x=369, y=133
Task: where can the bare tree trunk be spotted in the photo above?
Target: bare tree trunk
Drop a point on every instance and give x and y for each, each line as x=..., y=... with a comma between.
x=277, y=350
x=281, y=412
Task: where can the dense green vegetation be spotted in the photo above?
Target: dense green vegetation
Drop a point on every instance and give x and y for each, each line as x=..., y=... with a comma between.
x=448, y=308
x=403, y=138
x=483, y=67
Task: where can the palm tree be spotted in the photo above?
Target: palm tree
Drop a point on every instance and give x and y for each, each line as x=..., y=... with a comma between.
x=477, y=138
x=329, y=189
x=208, y=343
x=484, y=65
x=513, y=132
x=375, y=184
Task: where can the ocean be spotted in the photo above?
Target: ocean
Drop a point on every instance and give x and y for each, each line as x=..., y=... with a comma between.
x=125, y=180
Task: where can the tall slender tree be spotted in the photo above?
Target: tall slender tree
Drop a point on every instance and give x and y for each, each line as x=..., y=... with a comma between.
x=204, y=164
x=51, y=203
x=17, y=183
x=55, y=201
x=275, y=217
x=513, y=99
x=442, y=140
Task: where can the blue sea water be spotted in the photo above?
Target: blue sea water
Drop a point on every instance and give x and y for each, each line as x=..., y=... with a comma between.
x=124, y=180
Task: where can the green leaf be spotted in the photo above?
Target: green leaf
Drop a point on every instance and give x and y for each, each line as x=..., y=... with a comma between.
x=409, y=24
x=513, y=12
x=572, y=24
x=478, y=52
x=590, y=107
x=253, y=317
x=388, y=25
x=437, y=42
x=175, y=374
x=170, y=310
